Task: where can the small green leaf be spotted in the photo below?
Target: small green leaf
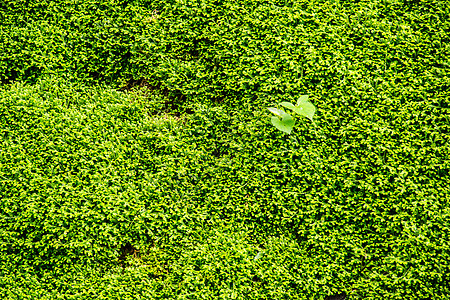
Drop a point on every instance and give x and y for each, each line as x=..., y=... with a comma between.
x=285, y=124
x=288, y=105
x=276, y=111
x=259, y=255
x=303, y=98
x=305, y=108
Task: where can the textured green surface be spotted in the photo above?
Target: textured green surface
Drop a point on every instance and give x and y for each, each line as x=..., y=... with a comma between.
x=172, y=191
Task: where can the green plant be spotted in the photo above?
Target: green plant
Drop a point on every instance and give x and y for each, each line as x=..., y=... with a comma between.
x=89, y=176
x=284, y=121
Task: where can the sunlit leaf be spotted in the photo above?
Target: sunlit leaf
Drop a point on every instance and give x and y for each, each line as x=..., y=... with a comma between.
x=276, y=111
x=259, y=255
x=303, y=98
x=305, y=108
x=285, y=124
x=288, y=105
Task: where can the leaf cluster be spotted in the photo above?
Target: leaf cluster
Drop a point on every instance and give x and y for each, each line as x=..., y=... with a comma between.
x=286, y=123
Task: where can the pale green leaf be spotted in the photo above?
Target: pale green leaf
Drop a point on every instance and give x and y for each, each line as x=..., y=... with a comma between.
x=259, y=255
x=305, y=108
x=285, y=124
x=303, y=98
x=288, y=105
x=276, y=111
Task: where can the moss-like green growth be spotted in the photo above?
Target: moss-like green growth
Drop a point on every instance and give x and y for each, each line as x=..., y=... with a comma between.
x=173, y=190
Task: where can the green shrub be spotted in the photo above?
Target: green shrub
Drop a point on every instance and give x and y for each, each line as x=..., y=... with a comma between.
x=172, y=191
x=89, y=175
x=85, y=40
x=258, y=51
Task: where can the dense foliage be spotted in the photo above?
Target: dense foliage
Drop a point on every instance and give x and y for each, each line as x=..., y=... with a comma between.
x=182, y=188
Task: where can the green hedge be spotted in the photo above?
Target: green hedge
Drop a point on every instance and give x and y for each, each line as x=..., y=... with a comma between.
x=224, y=51
x=171, y=191
x=89, y=175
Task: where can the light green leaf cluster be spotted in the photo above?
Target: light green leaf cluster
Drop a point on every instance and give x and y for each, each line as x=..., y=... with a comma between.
x=284, y=122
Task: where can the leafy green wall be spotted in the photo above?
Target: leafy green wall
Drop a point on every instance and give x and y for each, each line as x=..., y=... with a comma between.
x=225, y=51
x=171, y=191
